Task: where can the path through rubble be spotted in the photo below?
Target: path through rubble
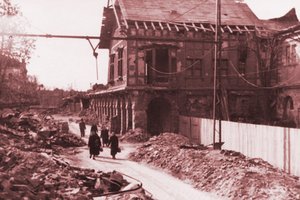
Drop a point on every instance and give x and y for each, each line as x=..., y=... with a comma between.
x=158, y=183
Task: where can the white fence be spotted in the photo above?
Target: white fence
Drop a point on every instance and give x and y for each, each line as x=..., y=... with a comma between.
x=277, y=145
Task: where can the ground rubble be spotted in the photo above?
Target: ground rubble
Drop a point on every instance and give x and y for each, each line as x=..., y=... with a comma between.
x=31, y=166
x=223, y=172
x=135, y=136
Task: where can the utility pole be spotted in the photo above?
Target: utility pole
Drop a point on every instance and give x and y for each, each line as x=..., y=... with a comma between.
x=217, y=78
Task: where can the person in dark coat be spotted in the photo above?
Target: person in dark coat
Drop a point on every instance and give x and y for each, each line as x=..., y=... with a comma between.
x=94, y=142
x=114, y=145
x=104, y=136
x=82, y=128
x=94, y=128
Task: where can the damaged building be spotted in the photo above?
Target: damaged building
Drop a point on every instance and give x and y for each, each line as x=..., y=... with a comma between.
x=162, y=64
x=284, y=64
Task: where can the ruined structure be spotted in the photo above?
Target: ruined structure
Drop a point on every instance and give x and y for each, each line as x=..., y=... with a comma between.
x=162, y=64
x=284, y=62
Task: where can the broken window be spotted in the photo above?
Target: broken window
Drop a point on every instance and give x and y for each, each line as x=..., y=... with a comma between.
x=111, y=66
x=194, y=67
x=159, y=62
x=290, y=54
x=120, y=62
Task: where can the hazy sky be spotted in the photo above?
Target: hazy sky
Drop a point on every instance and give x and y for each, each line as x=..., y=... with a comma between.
x=69, y=63
x=65, y=63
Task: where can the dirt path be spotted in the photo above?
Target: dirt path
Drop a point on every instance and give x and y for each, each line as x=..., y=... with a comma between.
x=161, y=185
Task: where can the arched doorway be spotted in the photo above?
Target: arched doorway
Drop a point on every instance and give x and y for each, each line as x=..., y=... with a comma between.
x=288, y=105
x=158, y=116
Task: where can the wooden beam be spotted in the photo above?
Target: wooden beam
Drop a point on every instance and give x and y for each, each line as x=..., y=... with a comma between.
x=145, y=25
x=169, y=27
x=238, y=28
x=202, y=27
x=176, y=27
x=153, y=26
x=161, y=26
x=230, y=30
x=117, y=17
x=136, y=25
x=126, y=24
x=222, y=30
x=212, y=28
x=196, y=29
x=246, y=29
x=185, y=26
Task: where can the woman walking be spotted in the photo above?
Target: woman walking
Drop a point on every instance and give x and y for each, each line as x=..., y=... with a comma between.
x=114, y=145
x=94, y=142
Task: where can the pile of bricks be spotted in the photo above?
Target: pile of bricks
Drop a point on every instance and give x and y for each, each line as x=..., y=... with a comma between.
x=226, y=173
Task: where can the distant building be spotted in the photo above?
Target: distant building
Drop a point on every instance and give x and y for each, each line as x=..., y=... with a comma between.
x=12, y=71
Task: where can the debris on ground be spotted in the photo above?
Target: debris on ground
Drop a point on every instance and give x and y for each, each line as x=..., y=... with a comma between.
x=135, y=136
x=31, y=166
x=225, y=173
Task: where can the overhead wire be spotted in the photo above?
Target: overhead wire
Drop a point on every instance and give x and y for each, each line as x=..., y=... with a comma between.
x=242, y=76
x=186, y=68
x=257, y=86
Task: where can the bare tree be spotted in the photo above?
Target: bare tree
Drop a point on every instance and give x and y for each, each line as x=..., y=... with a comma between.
x=14, y=52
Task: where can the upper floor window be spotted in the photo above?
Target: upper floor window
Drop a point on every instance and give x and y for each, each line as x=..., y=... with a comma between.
x=111, y=66
x=290, y=54
x=194, y=67
x=160, y=62
x=120, y=62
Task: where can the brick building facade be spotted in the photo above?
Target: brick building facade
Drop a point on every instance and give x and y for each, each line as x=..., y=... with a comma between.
x=162, y=64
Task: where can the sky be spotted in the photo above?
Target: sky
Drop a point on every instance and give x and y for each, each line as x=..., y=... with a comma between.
x=69, y=63
x=65, y=63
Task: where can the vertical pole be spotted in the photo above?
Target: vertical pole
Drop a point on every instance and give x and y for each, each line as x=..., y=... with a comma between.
x=219, y=73
x=96, y=67
x=217, y=57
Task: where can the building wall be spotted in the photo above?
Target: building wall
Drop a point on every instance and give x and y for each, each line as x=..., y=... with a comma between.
x=288, y=92
x=203, y=51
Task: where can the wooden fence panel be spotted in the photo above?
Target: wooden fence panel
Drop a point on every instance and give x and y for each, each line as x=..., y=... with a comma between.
x=295, y=151
x=277, y=145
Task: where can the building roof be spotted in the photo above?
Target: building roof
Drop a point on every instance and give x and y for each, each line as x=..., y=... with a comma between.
x=188, y=11
x=287, y=21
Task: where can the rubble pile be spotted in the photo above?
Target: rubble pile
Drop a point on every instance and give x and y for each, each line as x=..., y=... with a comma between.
x=40, y=130
x=89, y=116
x=135, y=136
x=29, y=172
x=226, y=173
x=29, y=175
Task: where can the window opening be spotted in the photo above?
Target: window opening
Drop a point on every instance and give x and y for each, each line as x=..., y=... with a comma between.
x=112, y=66
x=120, y=62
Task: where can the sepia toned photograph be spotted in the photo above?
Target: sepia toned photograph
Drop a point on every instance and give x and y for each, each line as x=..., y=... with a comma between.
x=150, y=100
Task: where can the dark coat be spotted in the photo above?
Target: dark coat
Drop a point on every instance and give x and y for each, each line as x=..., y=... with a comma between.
x=82, y=128
x=94, y=144
x=104, y=136
x=114, y=145
x=94, y=128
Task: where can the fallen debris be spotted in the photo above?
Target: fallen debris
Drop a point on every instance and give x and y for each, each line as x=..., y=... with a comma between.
x=31, y=166
x=135, y=136
x=226, y=173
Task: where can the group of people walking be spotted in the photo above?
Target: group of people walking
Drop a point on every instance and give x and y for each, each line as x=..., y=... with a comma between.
x=94, y=142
